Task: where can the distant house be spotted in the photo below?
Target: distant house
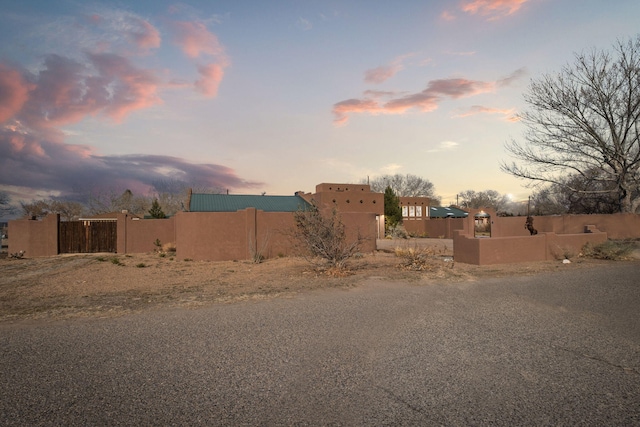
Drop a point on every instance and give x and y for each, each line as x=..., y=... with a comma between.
x=443, y=212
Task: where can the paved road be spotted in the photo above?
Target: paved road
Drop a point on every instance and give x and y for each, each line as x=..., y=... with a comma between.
x=557, y=349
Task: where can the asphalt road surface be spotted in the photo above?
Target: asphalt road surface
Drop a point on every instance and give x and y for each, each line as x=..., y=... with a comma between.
x=554, y=349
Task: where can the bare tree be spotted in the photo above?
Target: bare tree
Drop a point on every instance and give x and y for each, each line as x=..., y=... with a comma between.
x=172, y=194
x=593, y=196
x=471, y=199
x=111, y=201
x=36, y=209
x=68, y=210
x=583, y=119
x=6, y=208
x=405, y=186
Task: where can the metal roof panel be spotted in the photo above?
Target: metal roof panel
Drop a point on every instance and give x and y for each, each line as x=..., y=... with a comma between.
x=236, y=202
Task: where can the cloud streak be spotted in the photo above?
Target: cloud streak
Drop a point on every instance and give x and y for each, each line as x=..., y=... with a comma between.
x=492, y=9
x=384, y=72
x=509, y=114
x=425, y=101
x=52, y=165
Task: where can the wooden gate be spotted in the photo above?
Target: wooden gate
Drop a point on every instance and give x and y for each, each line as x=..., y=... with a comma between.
x=87, y=236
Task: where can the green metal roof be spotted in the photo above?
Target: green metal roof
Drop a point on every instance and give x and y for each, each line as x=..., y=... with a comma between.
x=441, y=212
x=236, y=202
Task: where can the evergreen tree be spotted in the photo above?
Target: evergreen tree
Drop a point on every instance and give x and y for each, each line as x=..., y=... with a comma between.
x=156, y=210
x=392, y=210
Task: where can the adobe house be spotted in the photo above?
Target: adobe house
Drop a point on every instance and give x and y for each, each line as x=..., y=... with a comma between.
x=228, y=226
x=418, y=216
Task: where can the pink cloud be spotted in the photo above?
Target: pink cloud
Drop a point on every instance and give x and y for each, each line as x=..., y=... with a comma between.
x=425, y=101
x=127, y=88
x=145, y=36
x=509, y=114
x=342, y=109
x=447, y=16
x=210, y=78
x=384, y=72
x=67, y=91
x=195, y=40
x=456, y=88
x=14, y=92
x=516, y=75
x=492, y=8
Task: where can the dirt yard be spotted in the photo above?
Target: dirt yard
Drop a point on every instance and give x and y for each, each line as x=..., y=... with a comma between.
x=104, y=285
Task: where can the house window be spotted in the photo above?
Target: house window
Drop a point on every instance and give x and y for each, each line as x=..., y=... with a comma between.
x=412, y=211
x=419, y=211
x=405, y=211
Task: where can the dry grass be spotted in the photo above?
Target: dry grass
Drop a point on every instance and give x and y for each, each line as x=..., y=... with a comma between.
x=417, y=258
x=99, y=285
x=613, y=250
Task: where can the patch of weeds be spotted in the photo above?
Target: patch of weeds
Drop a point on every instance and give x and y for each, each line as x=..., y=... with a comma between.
x=612, y=250
x=188, y=259
x=418, y=259
x=162, y=255
x=141, y=265
x=562, y=253
x=101, y=259
x=116, y=261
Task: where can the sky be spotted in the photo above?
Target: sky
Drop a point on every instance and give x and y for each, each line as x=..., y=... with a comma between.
x=278, y=96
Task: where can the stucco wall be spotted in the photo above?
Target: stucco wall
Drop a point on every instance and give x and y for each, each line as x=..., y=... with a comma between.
x=502, y=250
x=348, y=198
x=434, y=228
x=511, y=242
x=139, y=235
x=37, y=237
x=225, y=236
x=363, y=223
x=220, y=236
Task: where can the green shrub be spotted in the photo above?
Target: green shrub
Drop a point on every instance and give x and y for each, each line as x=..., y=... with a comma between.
x=116, y=261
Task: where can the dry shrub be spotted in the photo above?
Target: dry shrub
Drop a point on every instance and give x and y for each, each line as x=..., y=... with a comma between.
x=323, y=237
x=610, y=250
x=561, y=253
x=169, y=247
x=418, y=259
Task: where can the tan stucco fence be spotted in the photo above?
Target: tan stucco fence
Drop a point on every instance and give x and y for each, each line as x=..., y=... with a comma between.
x=223, y=236
x=557, y=236
x=215, y=236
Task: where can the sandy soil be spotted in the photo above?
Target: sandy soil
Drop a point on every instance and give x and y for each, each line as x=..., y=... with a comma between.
x=104, y=285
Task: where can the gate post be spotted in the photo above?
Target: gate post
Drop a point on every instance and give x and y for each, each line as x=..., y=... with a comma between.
x=121, y=242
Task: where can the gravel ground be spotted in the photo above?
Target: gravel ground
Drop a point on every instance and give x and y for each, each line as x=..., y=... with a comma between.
x=556, y=348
